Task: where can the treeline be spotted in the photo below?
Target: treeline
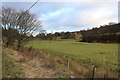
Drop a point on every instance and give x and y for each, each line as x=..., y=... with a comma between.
x=56, y=35
x=104, y=34
x=59, y=36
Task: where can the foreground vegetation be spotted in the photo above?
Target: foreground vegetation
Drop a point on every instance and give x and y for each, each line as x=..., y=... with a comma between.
x=105, y=55
x=20, y=65
x=10, y=68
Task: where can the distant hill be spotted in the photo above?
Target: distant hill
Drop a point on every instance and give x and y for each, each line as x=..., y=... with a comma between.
x=107, y=33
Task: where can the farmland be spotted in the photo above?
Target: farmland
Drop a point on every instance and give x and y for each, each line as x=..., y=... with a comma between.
x=59, y=41
x=92, y=53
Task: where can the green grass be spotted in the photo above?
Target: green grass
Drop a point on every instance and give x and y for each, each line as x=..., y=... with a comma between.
x=10, y=68
x=62, y=76
x=93, y=53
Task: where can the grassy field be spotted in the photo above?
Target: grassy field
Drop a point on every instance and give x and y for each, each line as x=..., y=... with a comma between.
x=93, y=53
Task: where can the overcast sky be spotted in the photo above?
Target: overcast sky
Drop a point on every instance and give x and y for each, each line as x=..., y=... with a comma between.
x=71, y=16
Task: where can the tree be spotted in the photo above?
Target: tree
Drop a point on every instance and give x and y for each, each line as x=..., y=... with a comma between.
x=22, y=21
x=8, y=21
x=49, y=36
x=42, y=35
x=78, y=37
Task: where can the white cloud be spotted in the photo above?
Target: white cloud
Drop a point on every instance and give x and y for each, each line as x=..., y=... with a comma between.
x=80, y=16
x=72, y=16
x=98, y=16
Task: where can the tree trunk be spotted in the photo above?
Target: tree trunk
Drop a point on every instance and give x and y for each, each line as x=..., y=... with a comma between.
x=19, y=45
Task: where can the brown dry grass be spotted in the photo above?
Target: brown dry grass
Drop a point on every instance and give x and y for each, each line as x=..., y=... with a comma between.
x=39, y=64
x=36, y=66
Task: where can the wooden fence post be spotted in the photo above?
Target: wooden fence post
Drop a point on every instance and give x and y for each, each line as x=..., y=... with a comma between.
x=68, y=63
x=94, y=68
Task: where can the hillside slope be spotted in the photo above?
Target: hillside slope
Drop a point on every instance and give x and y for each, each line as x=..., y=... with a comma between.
x=16, y=66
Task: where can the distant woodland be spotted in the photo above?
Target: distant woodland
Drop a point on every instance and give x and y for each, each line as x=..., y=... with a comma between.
x=103, y=34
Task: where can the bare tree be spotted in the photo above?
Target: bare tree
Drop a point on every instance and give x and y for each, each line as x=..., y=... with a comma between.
x=8, y=21
x=22, y=21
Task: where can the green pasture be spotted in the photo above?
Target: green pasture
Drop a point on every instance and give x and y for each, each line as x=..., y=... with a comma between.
x=93, y=53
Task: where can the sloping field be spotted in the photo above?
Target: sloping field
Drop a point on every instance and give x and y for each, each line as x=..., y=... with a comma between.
x=93, y=53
